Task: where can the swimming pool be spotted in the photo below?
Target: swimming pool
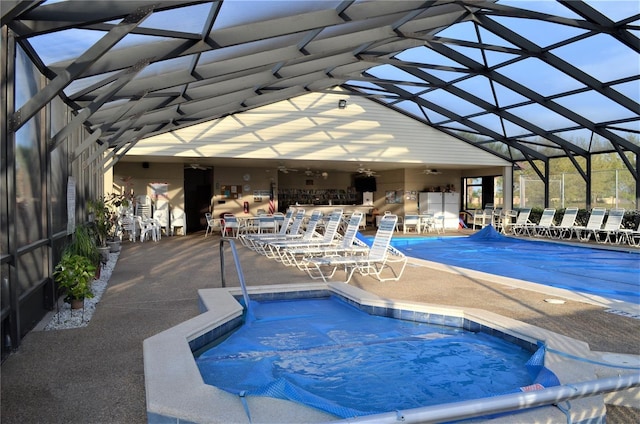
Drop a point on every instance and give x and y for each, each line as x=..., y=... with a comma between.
x=331, y=355
x=176, y=393
x=608, y=273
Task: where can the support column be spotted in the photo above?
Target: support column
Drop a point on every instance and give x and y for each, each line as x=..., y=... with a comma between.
x=507, y=187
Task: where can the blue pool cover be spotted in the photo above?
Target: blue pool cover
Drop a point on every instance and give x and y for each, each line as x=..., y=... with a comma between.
x=329, y=355
x=607, y=273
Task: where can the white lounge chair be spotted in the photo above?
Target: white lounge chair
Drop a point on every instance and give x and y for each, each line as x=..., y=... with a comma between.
x=611, y=227
x=276, y=249
x=522, y=224
x=291, y=224
x=543, y=228
x=629, y=236
x=348, y=243
x=378, y=261
x=263, y=246
x=483, y=217
x=584, y=233
x=565, y=229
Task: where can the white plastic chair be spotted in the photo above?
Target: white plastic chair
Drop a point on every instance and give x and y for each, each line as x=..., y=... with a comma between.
x=230, y=226
x=128, y=225
x=149, y=229
x=178, y=220
x=213, y=224
x=161, y=218
x=411, y=223
x=266, y=224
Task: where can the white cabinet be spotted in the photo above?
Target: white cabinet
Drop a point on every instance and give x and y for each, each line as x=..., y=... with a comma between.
x=441, y=204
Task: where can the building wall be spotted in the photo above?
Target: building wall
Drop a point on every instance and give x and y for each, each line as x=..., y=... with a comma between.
x=312, y=127
x=142, y=179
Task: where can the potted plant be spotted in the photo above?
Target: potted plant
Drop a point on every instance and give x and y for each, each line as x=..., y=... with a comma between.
x=75, y=273
x=84, y=244
x=116, y=205
x=101, y=225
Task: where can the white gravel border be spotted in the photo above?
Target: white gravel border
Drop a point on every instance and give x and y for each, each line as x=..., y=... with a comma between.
x=63, y=317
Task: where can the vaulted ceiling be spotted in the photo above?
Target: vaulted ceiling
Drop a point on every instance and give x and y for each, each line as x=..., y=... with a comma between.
x=523, y=80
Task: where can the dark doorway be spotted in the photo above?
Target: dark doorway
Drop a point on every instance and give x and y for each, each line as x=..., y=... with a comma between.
x=197, y=197
x=487, y=191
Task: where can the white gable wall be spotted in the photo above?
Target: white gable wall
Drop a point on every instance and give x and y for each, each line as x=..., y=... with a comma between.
x=312, y=127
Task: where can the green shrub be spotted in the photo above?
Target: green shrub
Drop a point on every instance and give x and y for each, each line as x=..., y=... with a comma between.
x=75, y=273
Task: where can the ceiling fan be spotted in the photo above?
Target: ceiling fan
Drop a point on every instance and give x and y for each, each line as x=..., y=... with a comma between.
x=196, y=166
x=429, y=171
x=366, y=171
x=285, y=170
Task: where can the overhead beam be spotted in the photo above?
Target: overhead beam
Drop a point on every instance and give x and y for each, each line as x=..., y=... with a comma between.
x=76, y=68
x=86, y=112
x=11, y=9
x=58, y=16
x=605, y=24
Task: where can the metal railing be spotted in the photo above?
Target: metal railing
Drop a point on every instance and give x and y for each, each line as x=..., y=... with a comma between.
x=236, y=260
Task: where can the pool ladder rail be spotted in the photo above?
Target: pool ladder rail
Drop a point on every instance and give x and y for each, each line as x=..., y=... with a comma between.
x=236, y=260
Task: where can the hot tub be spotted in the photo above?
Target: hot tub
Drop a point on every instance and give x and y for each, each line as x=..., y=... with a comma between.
x=176, y=391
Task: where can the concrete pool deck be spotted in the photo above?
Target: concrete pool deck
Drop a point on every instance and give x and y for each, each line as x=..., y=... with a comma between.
x=95, y=374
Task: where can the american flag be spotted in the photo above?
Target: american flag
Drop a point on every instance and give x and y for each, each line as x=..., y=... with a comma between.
x=272, y=202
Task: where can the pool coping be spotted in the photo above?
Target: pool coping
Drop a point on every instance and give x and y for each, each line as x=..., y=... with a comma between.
x=176, y=392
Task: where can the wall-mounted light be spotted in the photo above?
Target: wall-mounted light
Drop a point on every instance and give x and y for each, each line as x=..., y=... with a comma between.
x=342, y=103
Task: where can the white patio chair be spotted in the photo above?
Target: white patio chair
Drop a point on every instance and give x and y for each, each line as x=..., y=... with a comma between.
x=483, y=217
x=149, y=229
x=230, y=226
x=128, y=226
x=291, y=224
x=565, y=228
x=265, y=246
x=349, y=243
x=380, y=260
x=277, y=248
x=522, y=224
x=212, y=224
x=584, y=233
x=629, y=236
x=179, y=221
x=611, y=227
x=543, y=228
x=161, y=218
x=411, y=223
x=266, y=224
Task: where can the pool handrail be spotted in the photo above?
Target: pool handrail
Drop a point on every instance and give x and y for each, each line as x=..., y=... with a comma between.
x=503, y=403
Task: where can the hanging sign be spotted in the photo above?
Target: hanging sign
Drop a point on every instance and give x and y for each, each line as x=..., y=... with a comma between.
x=71, y=205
